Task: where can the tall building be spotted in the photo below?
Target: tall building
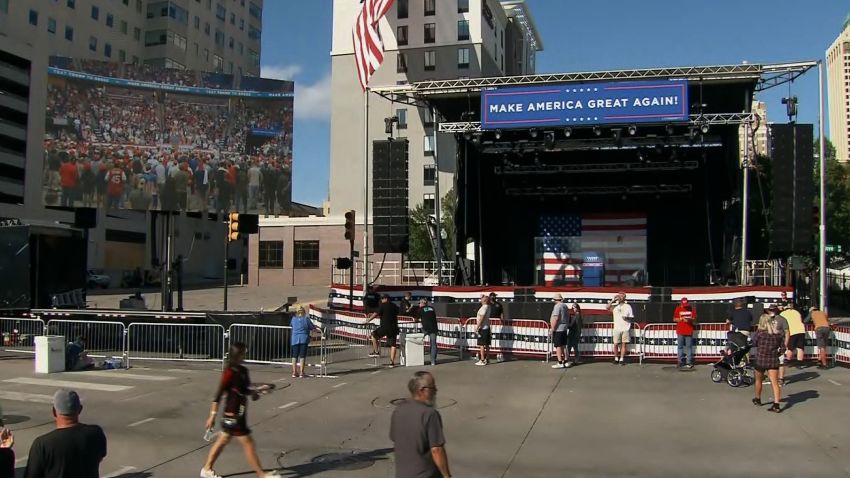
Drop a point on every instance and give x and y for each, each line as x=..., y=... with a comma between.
x=838, y=80
x=758, y=145
x=205, y=35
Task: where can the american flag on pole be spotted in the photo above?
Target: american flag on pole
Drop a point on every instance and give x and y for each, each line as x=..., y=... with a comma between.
x=368, y=46
x=619, y=237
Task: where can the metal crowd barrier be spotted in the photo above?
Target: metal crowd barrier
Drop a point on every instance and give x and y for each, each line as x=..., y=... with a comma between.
x=597, y=340
x=183, y=342
x=103, y=339
x=18, y=335
x=660, y=341
x=520, y=337
x=272, y=344
x=348, y=337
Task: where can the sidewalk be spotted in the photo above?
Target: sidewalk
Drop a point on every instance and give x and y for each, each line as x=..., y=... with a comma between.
x=239, y=298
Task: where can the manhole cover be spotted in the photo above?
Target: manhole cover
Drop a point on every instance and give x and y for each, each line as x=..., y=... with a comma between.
x=442, y=402
x=15, y=419
x=346, y=461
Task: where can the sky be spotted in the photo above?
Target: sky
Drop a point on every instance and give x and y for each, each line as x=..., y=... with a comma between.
x=577, y=36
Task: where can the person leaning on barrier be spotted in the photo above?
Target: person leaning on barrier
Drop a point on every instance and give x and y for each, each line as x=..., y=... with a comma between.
x=740, y=319
x=623, y=317
x=302, y=328
x=496, y=308
x=822, y=332
x=388, y=312
x=427, y=317
x=416, y=430
x=482, y=329
x=796, y=335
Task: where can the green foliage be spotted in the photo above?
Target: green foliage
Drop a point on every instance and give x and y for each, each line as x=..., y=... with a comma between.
x=837, y=196
x=420, y=245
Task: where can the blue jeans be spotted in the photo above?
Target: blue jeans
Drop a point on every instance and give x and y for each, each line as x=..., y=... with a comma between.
x=685, y=343
x=433, y=339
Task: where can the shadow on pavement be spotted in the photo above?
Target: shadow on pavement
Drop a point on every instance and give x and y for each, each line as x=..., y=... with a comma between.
x=801, y=377
x=800, y=397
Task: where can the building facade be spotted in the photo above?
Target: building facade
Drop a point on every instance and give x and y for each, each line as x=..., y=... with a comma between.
x=838, y=81
x=423, y=40
x=758, y=144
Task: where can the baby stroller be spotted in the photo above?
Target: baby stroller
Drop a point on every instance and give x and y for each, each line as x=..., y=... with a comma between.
x=732, y=365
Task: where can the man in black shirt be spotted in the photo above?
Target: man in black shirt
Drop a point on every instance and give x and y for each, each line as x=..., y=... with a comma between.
x=740, y=318
x=370, y=301
x=428, y=318
x=407, y=308
x=496, y=308
x=388, y=312
x=73, y=450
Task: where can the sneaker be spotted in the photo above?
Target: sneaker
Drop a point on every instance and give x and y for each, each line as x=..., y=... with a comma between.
x=689, y=366
x=781, y=382
x=391, y=365
x=616, y=360
x=374, y=354
x=209, y=473
x=273, y=474
x=481, y=363
x=568, y=365
x=766, y=381
x=558, y=365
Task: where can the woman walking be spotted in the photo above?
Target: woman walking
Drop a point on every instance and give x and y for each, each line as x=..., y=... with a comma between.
x=236, y=384
x=771, y=344
x=302, y=326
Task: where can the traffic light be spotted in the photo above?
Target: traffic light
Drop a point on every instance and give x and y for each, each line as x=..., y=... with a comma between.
x=343, y=263
x=233, y=226
x=349, y=226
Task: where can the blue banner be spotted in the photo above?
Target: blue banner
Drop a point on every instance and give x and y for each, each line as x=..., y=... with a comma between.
x=585, y=104
x=266, y=132
x=78, y=75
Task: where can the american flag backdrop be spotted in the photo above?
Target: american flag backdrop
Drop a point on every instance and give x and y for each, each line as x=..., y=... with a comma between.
x=368, y=46
x=619, y=237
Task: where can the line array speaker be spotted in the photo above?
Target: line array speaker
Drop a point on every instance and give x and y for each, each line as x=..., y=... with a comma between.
x=390, y=230
x=792, y=191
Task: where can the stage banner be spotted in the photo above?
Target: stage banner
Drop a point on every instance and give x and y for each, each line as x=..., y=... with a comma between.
x=584, y=104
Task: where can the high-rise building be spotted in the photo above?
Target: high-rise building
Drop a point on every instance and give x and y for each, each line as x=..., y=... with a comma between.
x=758, y=144
x=206, y=35
x=838, y=80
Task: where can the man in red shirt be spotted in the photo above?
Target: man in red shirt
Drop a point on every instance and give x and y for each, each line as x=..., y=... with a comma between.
x=685, y=316
x=115, y=180
x=69, y=179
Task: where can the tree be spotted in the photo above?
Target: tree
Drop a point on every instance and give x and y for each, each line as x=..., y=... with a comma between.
x=420, y=244
x=837, y=196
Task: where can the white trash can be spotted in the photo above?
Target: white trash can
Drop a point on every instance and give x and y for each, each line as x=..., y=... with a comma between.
x=50, y=354
x=414, y=350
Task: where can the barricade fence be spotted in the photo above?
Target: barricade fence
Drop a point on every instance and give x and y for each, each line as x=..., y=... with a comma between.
x=518, y=337
x=176, y=342
x=103, y=339
x=18, y=335
x=272, y=344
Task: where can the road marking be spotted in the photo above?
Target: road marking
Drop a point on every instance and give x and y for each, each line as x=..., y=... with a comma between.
x=141, y=422
x=120, y=472
x=21, y=460
x=138, y=397
x=281, y=380
x=288, y=405
x=181, y=370
x=340, y=384
x=26, y=397
x=376, y=372
x=130, y=376
x=69, y=384
x=834, y=382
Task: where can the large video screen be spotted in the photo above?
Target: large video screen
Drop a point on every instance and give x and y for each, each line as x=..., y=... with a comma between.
x=125, y=136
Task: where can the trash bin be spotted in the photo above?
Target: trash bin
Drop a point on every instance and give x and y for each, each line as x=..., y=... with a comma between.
x=50, y=354
x=414, y=350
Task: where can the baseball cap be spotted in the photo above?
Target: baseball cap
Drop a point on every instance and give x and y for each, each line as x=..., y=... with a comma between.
x=66, y=402
x=773, y=307
x=557, y=297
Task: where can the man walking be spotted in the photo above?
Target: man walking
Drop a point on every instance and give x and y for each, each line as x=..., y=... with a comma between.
x=388, y=312
x=623, y=317
x=428, y=319
x=72, y=450
x=685, y=316
x=416, y=430
x=482, y=329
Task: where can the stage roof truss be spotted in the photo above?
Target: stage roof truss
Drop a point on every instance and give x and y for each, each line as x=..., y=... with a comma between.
x=591, y=168
x=638, y=189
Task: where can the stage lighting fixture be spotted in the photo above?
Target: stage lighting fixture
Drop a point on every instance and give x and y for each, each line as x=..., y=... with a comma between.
x=597, y=131
x=467, y=135
x=692, y=133
x=498, y=134
x=532, y=132
x=790, y=107
x=388, y=124
x=568, y=132
x=669, y=129
x=549, y=139
x=704, y=128
x=632, y=130
x=641, y=156
x=476, y=138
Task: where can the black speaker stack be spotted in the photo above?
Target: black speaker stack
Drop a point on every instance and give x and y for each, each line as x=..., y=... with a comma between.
x=792, y=189
x=390, y=196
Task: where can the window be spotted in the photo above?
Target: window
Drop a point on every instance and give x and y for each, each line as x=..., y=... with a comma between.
x=197, y=48
x=139, y=10
x=220, y=12
x=230, y=67
x=71, y=3
x=254, y=57
x=230, y=43
x=428, y=143
x=233, y=19
x=401, y=35
x=429, y=202
x=177, y=40
x=430, y=7
x=241, y=50
x=197, y=22
x=254, y=33
x=206, y=54
x=463, y=30
x=110, y=20
x=401, y=114
x=122, y=56
x=428, y=120
x=241, y=24
x=124, y=27
x=207, y=28
x=430, y=32
x=402, y=8
x=69, y=33
x=462, y=6
x=218, y=63
x=219, y=38
x=429, y=175
x=95, y=12
x=463, y=57
x=107, y=50
x=401, y=63
x=51, y=25
x=306, y=254
x=92, y=43
x=168, y=9
x=430, y=60
x=125, y=2
x=4, y=6
x=137, y=33
x=255, y=11
x=33, y=17
x=271, y=254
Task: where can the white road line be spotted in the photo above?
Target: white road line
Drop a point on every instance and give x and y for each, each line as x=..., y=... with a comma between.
x=376, y=372
x=138, y=397
x=288, y=405
x=340, y=384
x=129, y=376
x=69, y=384
x=141, y=422
x=25, y=397
x=181, y=370
x=21, y=460
x=280, y=380
x=120, y=472
x=834, y=382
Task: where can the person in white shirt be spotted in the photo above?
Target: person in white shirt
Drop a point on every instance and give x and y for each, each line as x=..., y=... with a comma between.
x=623, y=317
x=558, y=325
x=482, y=329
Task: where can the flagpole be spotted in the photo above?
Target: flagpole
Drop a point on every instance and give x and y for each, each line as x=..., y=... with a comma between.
x=365, y=256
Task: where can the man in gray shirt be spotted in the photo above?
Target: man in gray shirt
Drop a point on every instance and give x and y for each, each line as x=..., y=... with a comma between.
x=416, y=429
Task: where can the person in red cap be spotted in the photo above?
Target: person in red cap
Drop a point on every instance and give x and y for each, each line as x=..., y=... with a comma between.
x=685, y=317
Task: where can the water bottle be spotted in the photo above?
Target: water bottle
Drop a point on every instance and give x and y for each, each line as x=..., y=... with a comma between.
x=209, y=434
